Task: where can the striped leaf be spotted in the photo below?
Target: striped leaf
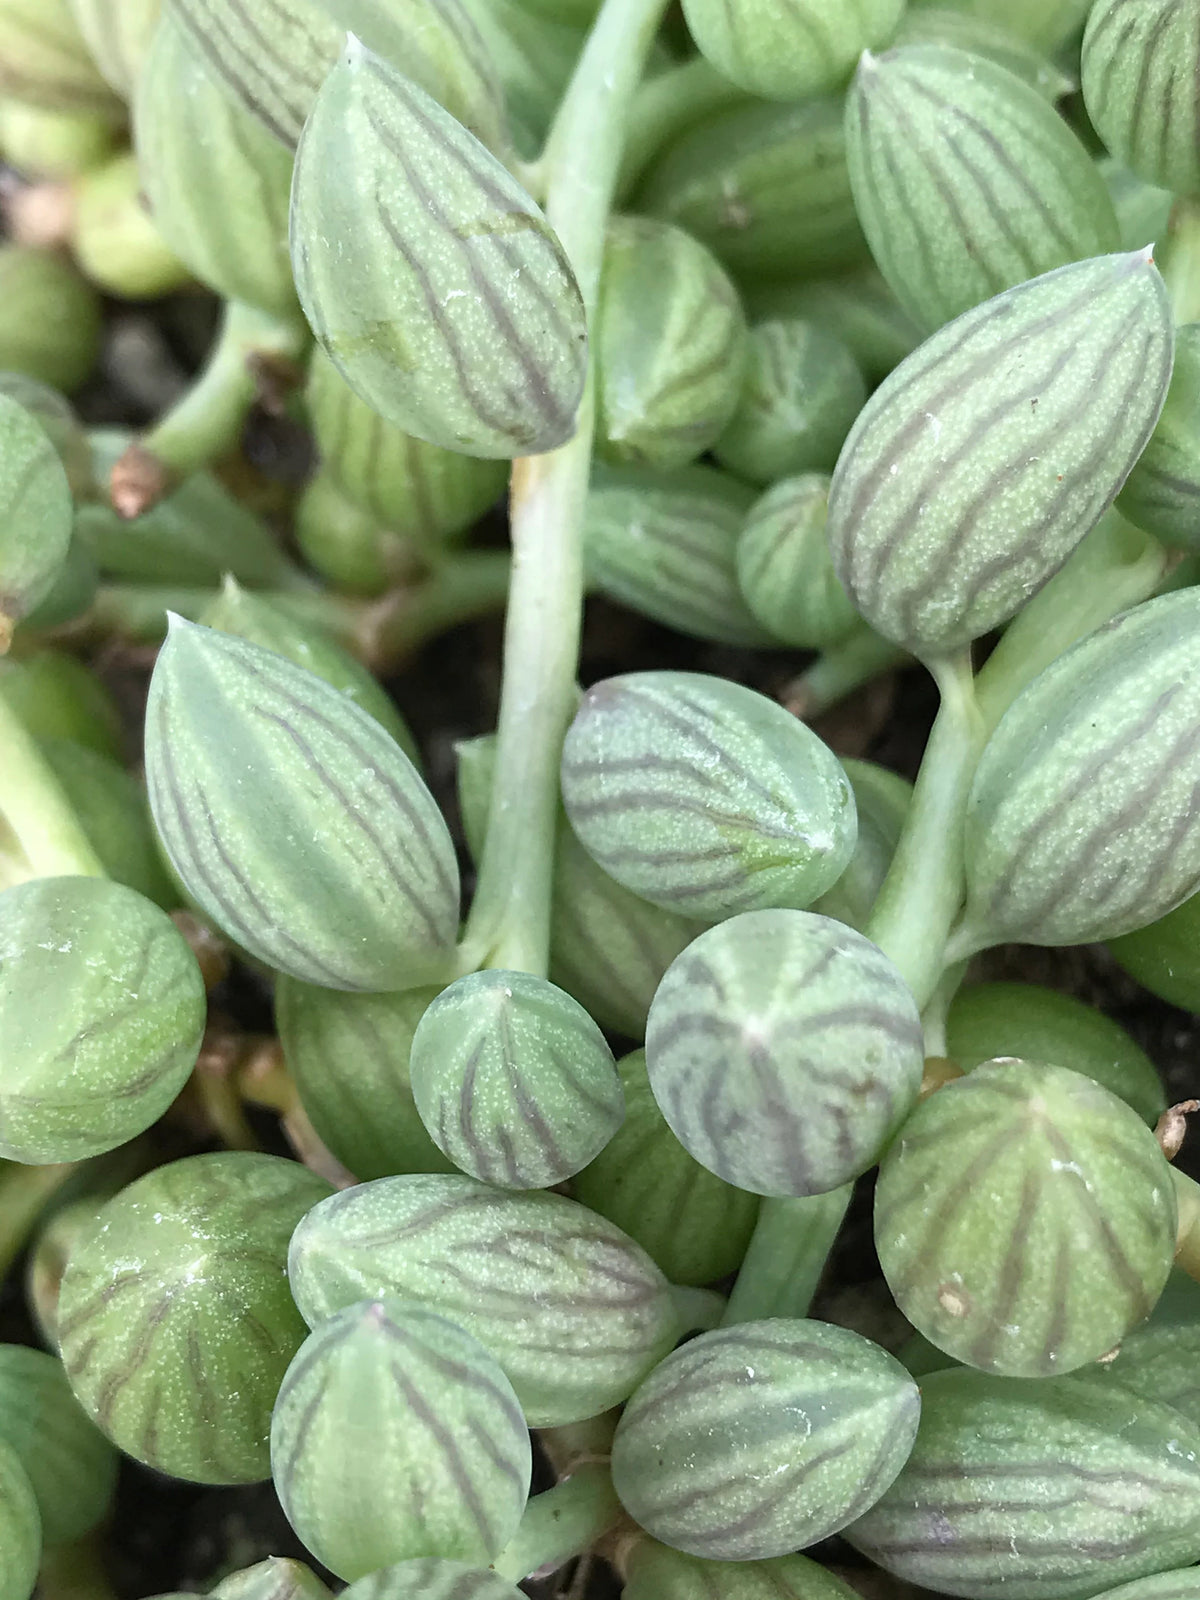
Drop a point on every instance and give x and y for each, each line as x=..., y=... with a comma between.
x=573, y=1310
x=800, y=396
x=784, y=567
x=45, y=62
x=787, y=49
x=294, y=820
x=395, y=206
x=694, y=1225
x=664, y=544
x=983, y=35
x=396, y=1435
x=102, y=1009
x=1025, y=1219
x=1143, y=211
x=533, y=51
x=1036, y=1490
x=348, y=1057
x=1183, y=1584
x=20, y=1530
x=35, y=515
x=215, y=180
x=345, y=544
x=1045, y=24
x=1082, y=822
x=882, y=801
x=766, y=188
x=966, y=181
x=422, y=492
x=276, y=1578
x=703, y=796
x=754, y=1441
x=1162, y=493
x=1161, y=1358
x=856, y=306
x=655, y=1572
x=670, y=345
x=513, y=1080
x=50, y=319
x=432, y=1579
x=976, y=468
x=117, y=34
x=71, y=1466
x=785, y=1050
x=175, y=1320
x=1140, y=58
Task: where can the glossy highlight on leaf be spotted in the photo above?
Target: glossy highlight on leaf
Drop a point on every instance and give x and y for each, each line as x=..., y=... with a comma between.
x=1139, y=61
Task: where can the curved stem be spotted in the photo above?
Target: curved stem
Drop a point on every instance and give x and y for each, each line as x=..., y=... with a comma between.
x=933, y=1017
x=40, y=835
x=787, y=1255
x=665, y=106
x=468, y=584
x=562, y=1522
x=509, y=924
x=838, y=671
x=699, y=1309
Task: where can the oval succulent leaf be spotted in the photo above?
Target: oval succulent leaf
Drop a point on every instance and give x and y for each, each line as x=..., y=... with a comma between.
x=784, y=567
x=175, y=1319
x=784, y=1050
x=1039, y=1491
x=1162, y=493
x=785, y=51
x=395, y=207
x=1140, y=58
x=395, y=1435
x=982, y=461
x=276, y=1578
x=1183, y=1584
x=513, y=1080
x=703, y=796
x=35, y=514
x=45, y=62
x=1082, y=822
x=655, y=1572
x=987, y=35
x=752, y=1441
x=51, y=328
x=1162, y=955
x=20, y=1529
x=966, y=181
x=1161, y=1358
x=294, y=820
x=983, y=1205
x=856, y=306
x=573, y=1310
x=431, y=1579
x=117, y=34
x=71, y=1466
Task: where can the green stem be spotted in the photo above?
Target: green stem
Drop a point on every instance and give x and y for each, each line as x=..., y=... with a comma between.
x=35, y=814
x=699, y=1309
x=1187, y=1247
x=921, y=894
x=933, y=1017
x=666, y=106
x=839, y=671
x=787, y=1255
x=1180, y=259
x=509, y=924
x=469, y=584
x=562, y=1522
x=25, y=1193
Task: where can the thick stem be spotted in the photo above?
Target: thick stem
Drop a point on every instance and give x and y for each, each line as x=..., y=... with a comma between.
x=787, y=1255
x=933, y=1017
x=665, y=106
x=561, y=1523
x=38, y=829
x=509, y=925
x=837, y=672
x=1180, y=260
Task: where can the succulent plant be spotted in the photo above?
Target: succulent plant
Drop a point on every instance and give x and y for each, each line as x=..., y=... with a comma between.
x=55, y=697
x=20, y=1529
x=856, y=306
x=1161, y=955
x=431, y=1579
x=991, y=36
x=277, y=1578
x=787, y=52
x=882, y=801
x=1162, y=493
x=50, y=317
x=656, y=1572
x=784, y=568
x=71, y=1467
x=114, y=238
x=117, y=34
x=1157, y=1359
x=44, y=60
x=1134, y=59
x=35, y=505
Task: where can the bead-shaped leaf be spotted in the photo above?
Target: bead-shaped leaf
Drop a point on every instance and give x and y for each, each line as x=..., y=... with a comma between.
x=1046, y=1491
x=988, y=36
x=1162, y=493
x=670, y=345
x=35, y=515
x=294, y=820
x=800, y=396
x=1044, y=23
x=429, y=276
x=1160, y=1359
x=396, y=1435
x=431, y=1579
x=664, y=544
x=45, y=62
x=966, y=181
x=117, y=34
x=882, y=800
x=655, y=1572
x=175, y=1319
x=978, y=466
x=50, y=320
x=784, y=567
x=785, y=1050
x=57, y=697
x=1139, y=57
x=1163, y=955
x=703, y=796
x=788, y=51
x=751, y=1442
x=573, y=1310
x=856, y=306
x=983, y=1206
x=1081, y=823
x=276, y=1578
x=20, y=1529
x=694, y=1224
x=63, y=428
x=513, y=1080
x=71, y=1466
x=102, y=1009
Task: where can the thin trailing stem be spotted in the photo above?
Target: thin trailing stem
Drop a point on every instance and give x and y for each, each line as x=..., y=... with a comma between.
x=837, y=672
x=562, y=1522
x=787, y=1255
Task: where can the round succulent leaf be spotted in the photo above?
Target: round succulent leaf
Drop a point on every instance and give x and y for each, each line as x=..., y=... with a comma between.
x=669, y=337
x=1160, y=1358
x=294, y=819
x=1182, y=1584
x=703, y=796
x=175, y=1320
x=397, y=1435
x=70, y=594
x=1138, y=62
x=1044, y=1491
x=967, y=181
x=114, y=237
x=431, y=1579
x=102, y=1009
x=70, y=1465
x=1046, y=24
x=35, y=513
x=574, y=1311
x=987, y=1020
x=882, y=800
x=786, y=51
x=1025, y=1219
x=655, y=1572
x=394, y=207
x=784, y=1050
x=276, y=1578
x=800, y=396
x=425, y=493
x=784, y=567
x=856, y=306
x=56, y=696
x=1163, y=955
x=345, y=544
x=664, y=544
x=513, y=1080
x=987, y=36
x=348, y=1057
x=1162, y=493
x=62, y=427
x=45, y=62
x=117, y=34
x=20, y=1529
x=694, y=1225
x=750, y=1442
x=976, y=468
x=765, y=187
x=50, y=317
x=1081, y=822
